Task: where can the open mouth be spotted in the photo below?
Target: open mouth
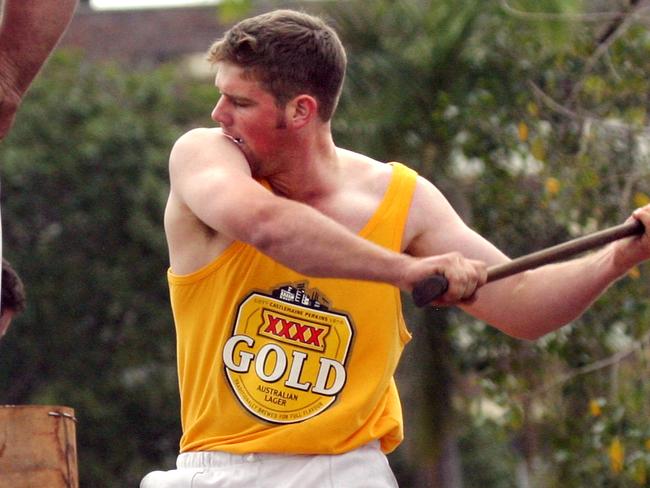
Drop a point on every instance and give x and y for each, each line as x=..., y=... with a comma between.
x=237, y=140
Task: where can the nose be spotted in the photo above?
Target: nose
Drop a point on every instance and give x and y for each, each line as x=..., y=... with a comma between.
x=219, y=113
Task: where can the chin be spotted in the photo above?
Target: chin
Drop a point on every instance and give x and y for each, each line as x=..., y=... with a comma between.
x=253, y=162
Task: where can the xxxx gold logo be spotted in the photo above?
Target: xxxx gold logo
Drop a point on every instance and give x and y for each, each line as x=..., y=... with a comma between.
x=291, y=330
x=285, y=360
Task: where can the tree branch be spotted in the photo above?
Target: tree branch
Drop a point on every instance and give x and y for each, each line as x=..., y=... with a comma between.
x=610, y=36
x=585, y=117
x=538, y=16
x=615, y=359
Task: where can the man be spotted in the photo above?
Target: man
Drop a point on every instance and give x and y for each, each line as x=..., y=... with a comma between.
x=13, y=296
x=287, y=255
x=29, y=32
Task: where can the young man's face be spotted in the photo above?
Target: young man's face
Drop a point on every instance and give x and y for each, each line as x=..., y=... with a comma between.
x=248, y=114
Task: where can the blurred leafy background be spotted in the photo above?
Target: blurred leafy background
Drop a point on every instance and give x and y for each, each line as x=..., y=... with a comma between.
x=530, y=116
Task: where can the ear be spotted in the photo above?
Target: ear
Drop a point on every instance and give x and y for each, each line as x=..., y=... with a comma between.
x=302, y=110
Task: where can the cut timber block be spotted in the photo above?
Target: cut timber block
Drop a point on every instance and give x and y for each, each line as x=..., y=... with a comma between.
x=38, y=447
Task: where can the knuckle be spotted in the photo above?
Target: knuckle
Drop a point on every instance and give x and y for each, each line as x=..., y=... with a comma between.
x=453, y=256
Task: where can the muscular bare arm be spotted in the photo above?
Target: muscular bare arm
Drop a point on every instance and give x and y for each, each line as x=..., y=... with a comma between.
x=30, y=30
x=211, y=182
x=530, y=304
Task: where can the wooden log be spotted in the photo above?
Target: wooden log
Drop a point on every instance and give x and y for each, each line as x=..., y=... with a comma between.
x=38, y=447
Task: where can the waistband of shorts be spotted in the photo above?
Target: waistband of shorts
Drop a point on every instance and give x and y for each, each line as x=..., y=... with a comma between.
x=216, y=459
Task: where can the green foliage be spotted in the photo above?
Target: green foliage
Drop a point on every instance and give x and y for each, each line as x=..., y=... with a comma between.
x=84, y=188
x=234, y=10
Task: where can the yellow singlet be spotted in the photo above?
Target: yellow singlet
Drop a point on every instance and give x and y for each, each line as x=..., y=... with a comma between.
x=273, y=361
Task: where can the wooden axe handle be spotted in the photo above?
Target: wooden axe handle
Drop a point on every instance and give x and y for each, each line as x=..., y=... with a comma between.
x=433, y=287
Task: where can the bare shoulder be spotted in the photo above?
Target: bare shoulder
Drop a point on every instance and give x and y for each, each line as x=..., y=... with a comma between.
x=434, y=227
x=433, y=223
x=428, y=197
x=365, y=174
x=374, y=177
x=200, y=135
x=202, y=146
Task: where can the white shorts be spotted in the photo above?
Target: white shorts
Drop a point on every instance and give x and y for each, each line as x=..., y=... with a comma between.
x=365, y=467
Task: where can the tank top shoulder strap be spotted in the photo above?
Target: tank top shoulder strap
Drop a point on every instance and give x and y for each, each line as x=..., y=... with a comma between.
x=387, y=225
x=403, y=187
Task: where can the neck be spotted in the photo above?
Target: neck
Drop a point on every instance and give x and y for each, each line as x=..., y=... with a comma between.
x=307, y=168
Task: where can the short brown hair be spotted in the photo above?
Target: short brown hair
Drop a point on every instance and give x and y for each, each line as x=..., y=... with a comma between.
x=290, y=53
x=13, y=291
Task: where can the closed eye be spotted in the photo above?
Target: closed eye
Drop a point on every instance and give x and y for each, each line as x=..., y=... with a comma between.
x=238, y=101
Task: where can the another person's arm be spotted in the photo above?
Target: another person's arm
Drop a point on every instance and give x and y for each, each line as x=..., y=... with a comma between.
x=29, y=32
